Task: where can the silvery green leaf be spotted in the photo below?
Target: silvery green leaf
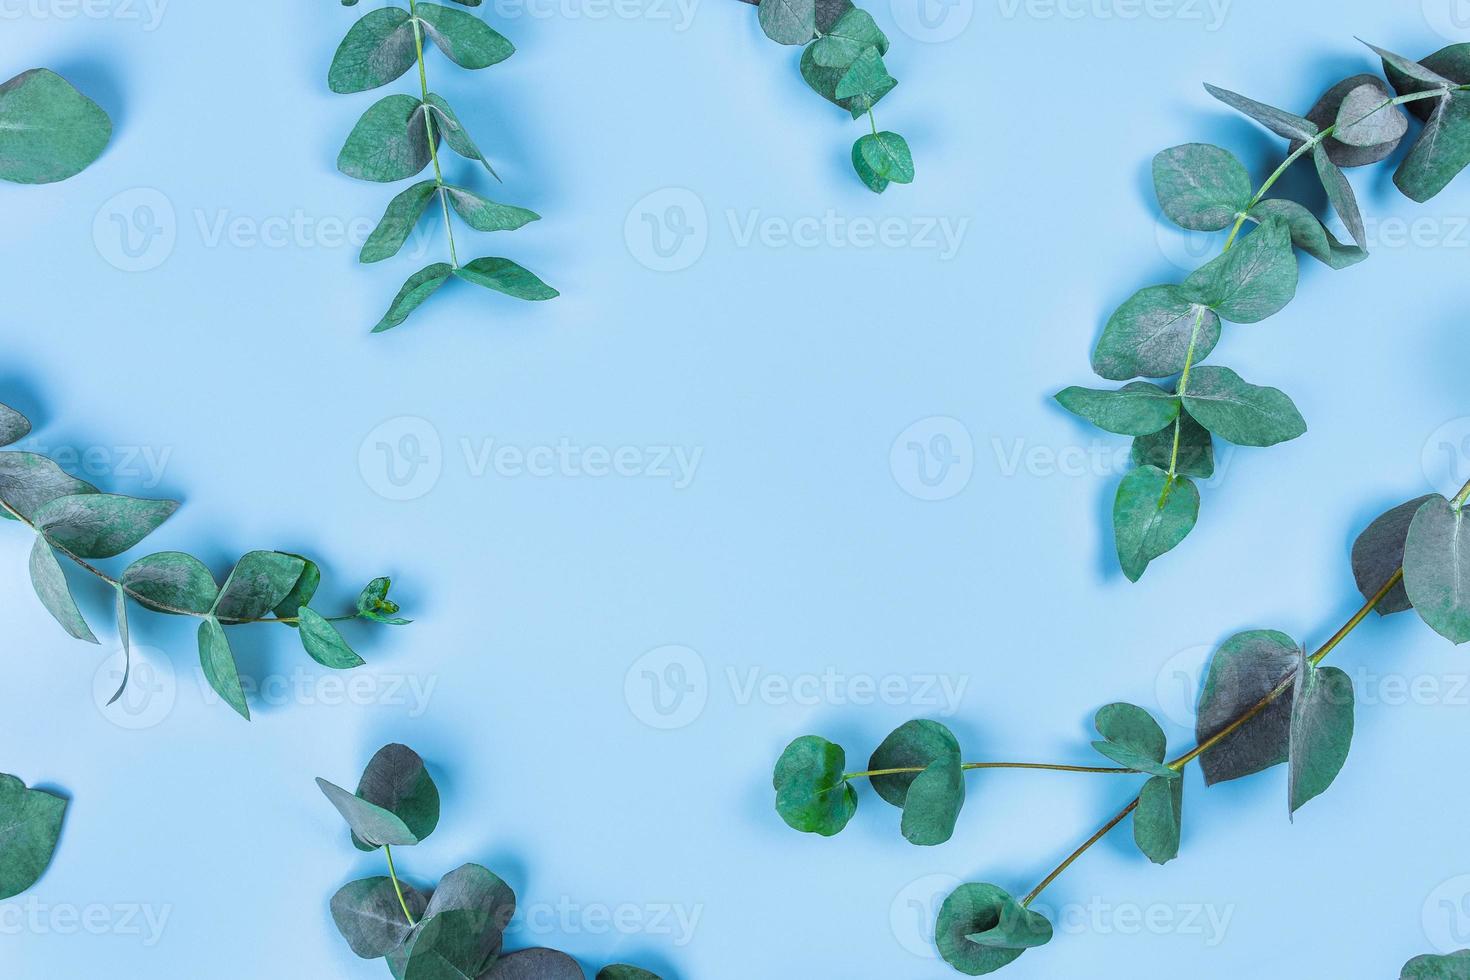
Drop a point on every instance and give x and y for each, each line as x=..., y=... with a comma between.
x=323, y=643
x=1340, y=193
x=124, y=637
x=1455, y=966
x=535, y=964
x=1158, y=817
x=171, y=581
x=456, y=135
x=419, y=287
x=369, y=916
x=477, y=888
x=48, y=130
x=259, y=582
x=1139, y=408
x=1253, y=280
x=13, y=425
x=1437, y=568
x=370, y=823
x=1149, y=335
x=1196, y=455
x=483, y=214
x=505, y=276
x=218, y=661
x=456, y=945
x=1201, y=187
x=398, y=222
x=397, y=781
x=1442, y=151
x=1367, y=118
x=466, y=39
x=854, y=31
x=49, y=581
x=865, y=82
x=1151, y=515
x=1239, y=412
x=1410, y=68
x=1447, y=66
x=1245, y=669
x=788, y=21
x=1278, y=121
x=390, y=142
x=1132, y=739
x=1309, y=234
x=28, y=481
x=379, y=48
x=1379, y=552
x=812, y=793
x=1321, y=730
x=100, y=525
x=1325, y=113
x=981, y=928
x=30, y=826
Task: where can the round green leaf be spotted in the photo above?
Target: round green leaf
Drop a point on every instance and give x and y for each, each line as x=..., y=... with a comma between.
x=171, y=579
x=1139, y=408
x=913, y=745
x=1246, y=668
x=323, y=643
x=259, y=582
x=28, y=481
x=933, y=803
x=1253, y=280
x=788, y=21
x=455, y=945
x=1437, y=568
x=1157, y=818
x=1242, y=413
x=100, y=525
x=390, y=142
x=1455, y=966
x=468, y=41
x=535, y=964
x=1149, y=335
x=369, y=916
x=379, y=48
x=370, y=823
x=812, y=793
x=1132, y=739
x=1321, y=730
x=1366, y=119
x=1378, y=553
x=30, y=826
x=981, y=928
x=1151, y=515
x=48, y=130
x=397, y=781
x=1201, y=187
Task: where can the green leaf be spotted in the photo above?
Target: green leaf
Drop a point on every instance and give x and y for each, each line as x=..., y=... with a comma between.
x=1151, y=516
x=1437, y=568
x=824, y=82
x=1149, y=335
x=535, y=964
x=483, y=214
x=1132, y=739
x=1253, y=280
x=1201, y=187
x=473, y=887
x=1327, y=112
x=49, y=581
x=1157, y=819
x=1196, y=449
x=1245, y=669
x=1309, y=234
x=1446, y=67
x=466, y=39
x=301, y=594
x=259, y=582
x=788, y=21
x=865, y=82
x=124, y=637
x=1443, y=150
x=100, y=525
x=1242, y=413
x=981, y=928
x=1321, y=730
x=377, y=49
x=456, y=945
x=30, y=826
x=218, y=662
x=397, y=781
x=1278, y=121
x=1408, y=68
x=1366, y=119
x=419, y=287
x=456, y=135
x=404, y=211
x=1455, y=966
x=390, y=142
x=13, y=425
x=913, y=745
x=48, y=130
x=933, y=804
x=171, y=581
x=373, y=603
x=1378, y=553
x=1340, y=193
x=882, y=157
x=622, y=971
x=370, y=823
x=505, y=276
x=368, y=915
x=324, y=644
x=1140, y=408
x=812, y=793
x=854, y=32
x=28, y=481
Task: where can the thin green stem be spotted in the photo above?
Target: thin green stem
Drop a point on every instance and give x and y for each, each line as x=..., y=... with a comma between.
x=439, y=188
x=873, y=122
x=393, y=874
x=986, y=765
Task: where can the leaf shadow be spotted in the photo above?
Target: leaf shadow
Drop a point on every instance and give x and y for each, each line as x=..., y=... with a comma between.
x=97, y=75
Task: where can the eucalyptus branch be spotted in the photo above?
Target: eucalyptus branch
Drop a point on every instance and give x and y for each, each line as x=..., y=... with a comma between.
x=71, y=519
x=1265, y=701
x=1165, y=331
x=399, y=136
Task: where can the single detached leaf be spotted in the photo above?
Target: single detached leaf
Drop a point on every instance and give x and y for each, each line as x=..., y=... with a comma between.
x=260, y=582
x=466, y=39
x=854, y=32
x=453, y=945
x=1309, y=234
x=390, y=142
x=1132, y=739
x=1321, y=730
x=1278, y=121
x=48, y=130
x=455, y=133
x=622, y=971
x=1437, y=568
x=1367, y=119
x=1151, y=516
x=536, y=963
x=1253, y=280
x=1327, y=112
x=419, y=287
x=1201, y=187
x=1157, y=819
x=49, y=581
x=788, y=21
x=483, y=214
x=398, y=221
x=324, y=644
x=1242, y=413
x=218, y=662
x=28, y=481
x=505, y=276
x=882, y=158
x=100, y=525
x=913, y=745
x=370, y=823
x=865, y=82
x=1379, y=552
x=13, y=425
x=1149, y=335
x=1340, y=193
x=1455, y=966
x=933, y=804
x=397, y=781
x=812, y=793
x=30, y=826
x=1196, y=456
x=981, y=928
x=303, y=591
x=1245, y=669
x=377, y=49
x=1140, y=408
x=171, y=581
x=368, y=915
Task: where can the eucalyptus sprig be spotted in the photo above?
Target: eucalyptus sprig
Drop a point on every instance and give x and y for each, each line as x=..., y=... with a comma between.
x=842, y=61
x=30, y=826
x=1265, y=701
x=398, y=136
x=1167, y=330
x=455, y=930
x=71, y=519
x=48, y=130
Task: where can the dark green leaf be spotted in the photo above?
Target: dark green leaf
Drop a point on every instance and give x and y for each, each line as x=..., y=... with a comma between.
x=13, y=425
x=1321, y=730
x=260, y=582
x=483, y=214
x=48, y=130
x=622, y=971
x=1278, y=121
x=100, y=525
x=1132, y=739
x=1326, y=112
x=377, y=49
x=933, y=804
x=1309, y=234
x=30, y=826
x=981, y=928
x=913, y=745
x=1196, y=456
x=171, y=581
x=1253, y=280
x=1201, y=187
x=1149, y=335
x=369, y=916
x=324, y=644
x=1443, y=150
x=865, y=82
x=397, y=223
x=1340, y=193
x=854, y=32
x=468, y=41
x=1447, y=66
x=1151, y=516
x=1378, y=553
x=1242, y=413
x=882, y=157
x=1156, y=821
x=456, y=945
x=373, y=603
x=397, y=781
x=218, y=662
x=300, y=594
x=49, y=581
x=473, y=887
x=1411, y=69
x=456, y=135
x=788, y=21
x=27, y=481
x=1140, y=408
x=535, y=964
x=812, y=793
x=505, y=276
x=1437, y=568
x=419, y=287
x=1245, y=669
x=370, y=823
x=390, y=142
x=1455, y=966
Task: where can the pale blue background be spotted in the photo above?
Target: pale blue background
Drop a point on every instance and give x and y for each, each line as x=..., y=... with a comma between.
x=795, y=550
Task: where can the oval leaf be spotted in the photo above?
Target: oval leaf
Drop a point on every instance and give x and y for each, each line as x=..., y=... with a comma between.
x=323, y=643
x=171, y=581
x=378, y=49
x=913, y=745
x=1321, y=730
x=1151, y=515
x=1437, y=568
x=1201, y=187
x=368, y=915
x=48, y=130
x=30, y=826
x=1242, y=413
x=100, y=525
x=812, y=793
x=1379, y=552
x=1150, y=334
x=981, y=928
x=1245, y=669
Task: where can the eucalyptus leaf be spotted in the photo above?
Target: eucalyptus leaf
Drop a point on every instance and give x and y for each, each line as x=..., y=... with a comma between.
x=29, y=481
x=1340, y=193
x=1454, y=966
x=124, y=637
x=1253, y=280
x=788, y=21
x=373, y=603
x=390, y=142
x=171, y=581
x=49, y=581
x=397, y=782
x=1437, y=568
x=1321, y=730
x=1132, y=739
x=1278, y=121
x=1442, y=151
x=419, y=287
x=1157, y=818
x=854, y=32
x=456, y=135
x=259, y=582
x=1378, y=553
x=1196, y=450
x=1245, y=669
x=455, y=945
x=1138, y=409
x=881, y=158
x=483, y=214
x=379, y=48
x=370, y=823
x=466, y=39
x=1407, y=67
x=981, y=928
x=30, y=826
x=473, y=887
x=1446, y=67
x=398, y=222
x=219, y=666
x=100, y=525
x=1201, y=187
x=812, y=792
x=302, y=592
x=1149, y=335
x=933, y=804
x=622, y=971
x=1327, y=111
x=865, y=82
x=1309, y=234
x=1151, y=515
x=1239, y=412
x=13, y=425
x=536, y=963
x=369, y=916
x=1367, y=119
x=323, y=643
x=505, y=276
x=913, y=745
x=48, y=130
